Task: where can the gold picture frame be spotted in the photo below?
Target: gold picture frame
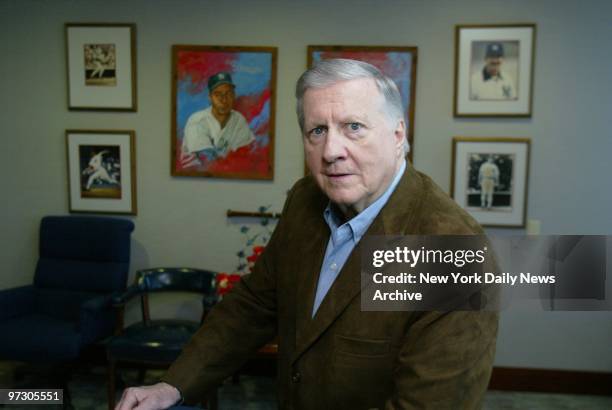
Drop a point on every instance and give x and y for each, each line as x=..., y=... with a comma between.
x=489, y=179
x=101, y=66
x=101, y=171
x=494, y=70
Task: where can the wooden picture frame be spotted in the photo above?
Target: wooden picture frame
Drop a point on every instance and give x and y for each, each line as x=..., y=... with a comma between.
x=489, y=178
x=101, y=66
x=397, y=62
x=232, y=84
x=494, y=70
x=101, y=171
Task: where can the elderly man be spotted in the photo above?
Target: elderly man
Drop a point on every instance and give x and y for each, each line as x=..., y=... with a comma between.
x=305, y=287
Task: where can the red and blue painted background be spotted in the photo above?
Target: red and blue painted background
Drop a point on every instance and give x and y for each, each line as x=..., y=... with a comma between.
x=252, y=73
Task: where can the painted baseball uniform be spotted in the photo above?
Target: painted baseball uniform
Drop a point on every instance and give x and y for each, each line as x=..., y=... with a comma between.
x=203, y=131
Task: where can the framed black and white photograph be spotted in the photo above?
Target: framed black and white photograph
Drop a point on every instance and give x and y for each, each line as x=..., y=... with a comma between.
x=489, y=179
x=101, y=171
x=494, y=70
x=101, y=64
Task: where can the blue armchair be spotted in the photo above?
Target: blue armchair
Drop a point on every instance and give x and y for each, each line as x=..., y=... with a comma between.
x=83, y=261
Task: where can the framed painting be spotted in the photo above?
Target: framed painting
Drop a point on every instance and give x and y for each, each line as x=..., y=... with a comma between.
x=101, y=66
x=101, y=171
x=223, y=105
x=494, y=70
x=489, y=179
x=396, y=62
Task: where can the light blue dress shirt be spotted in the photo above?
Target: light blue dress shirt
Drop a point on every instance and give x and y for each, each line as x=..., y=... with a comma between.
x=344, y=237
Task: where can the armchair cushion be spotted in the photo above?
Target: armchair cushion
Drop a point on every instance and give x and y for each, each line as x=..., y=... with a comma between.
x=62, y=304
x=84, y=253
x=92, y=239
x=38, y=337
x=49, y=327
x=97, y=318
x=79, y=275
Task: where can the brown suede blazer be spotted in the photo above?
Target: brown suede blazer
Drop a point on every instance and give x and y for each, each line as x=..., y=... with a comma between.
x=345, y=358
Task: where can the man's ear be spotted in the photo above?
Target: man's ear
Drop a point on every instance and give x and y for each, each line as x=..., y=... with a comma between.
x=400, y=134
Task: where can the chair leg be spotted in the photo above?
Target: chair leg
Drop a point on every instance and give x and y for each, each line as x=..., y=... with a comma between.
x=111, y=387
x=212, y=400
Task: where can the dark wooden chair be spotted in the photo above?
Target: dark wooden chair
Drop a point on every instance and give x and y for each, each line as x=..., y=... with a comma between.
x=157, y=343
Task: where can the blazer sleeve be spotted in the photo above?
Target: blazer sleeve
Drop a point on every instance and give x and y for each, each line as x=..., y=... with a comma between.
x=236, y=327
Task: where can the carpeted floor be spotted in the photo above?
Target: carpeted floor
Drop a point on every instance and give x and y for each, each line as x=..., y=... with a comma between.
x=88, y=391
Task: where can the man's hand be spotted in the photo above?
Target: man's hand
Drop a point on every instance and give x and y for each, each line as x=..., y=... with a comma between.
x=156, y=397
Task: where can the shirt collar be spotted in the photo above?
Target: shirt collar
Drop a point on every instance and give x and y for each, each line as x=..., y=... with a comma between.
x=362, y=221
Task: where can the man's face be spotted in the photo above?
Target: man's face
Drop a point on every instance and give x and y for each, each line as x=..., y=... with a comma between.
x=353, y=149
x=493, y=65
x=222, y=99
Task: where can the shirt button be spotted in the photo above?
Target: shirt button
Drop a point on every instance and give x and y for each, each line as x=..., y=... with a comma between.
x=295, y=377
x=334, y=266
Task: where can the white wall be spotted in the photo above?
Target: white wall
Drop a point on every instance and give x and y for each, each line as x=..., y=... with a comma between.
x=181, y=221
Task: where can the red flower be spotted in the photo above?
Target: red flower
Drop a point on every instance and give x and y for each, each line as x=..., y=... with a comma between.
x=225, y=282
x=257, y=251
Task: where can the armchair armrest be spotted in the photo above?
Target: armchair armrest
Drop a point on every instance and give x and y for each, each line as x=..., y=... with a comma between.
x=97, y=304
x=96, y=318
x=17, y=301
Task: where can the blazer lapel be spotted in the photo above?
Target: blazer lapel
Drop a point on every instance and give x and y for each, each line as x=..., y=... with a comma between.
x=344, y=289
x=308, y=268
x=397, y=216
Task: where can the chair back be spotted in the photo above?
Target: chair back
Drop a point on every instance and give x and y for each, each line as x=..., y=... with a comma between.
x=83, y=253
x=80, y=257
x=176, y=280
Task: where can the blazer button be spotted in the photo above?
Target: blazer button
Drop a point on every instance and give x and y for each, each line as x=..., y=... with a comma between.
x=296, y=376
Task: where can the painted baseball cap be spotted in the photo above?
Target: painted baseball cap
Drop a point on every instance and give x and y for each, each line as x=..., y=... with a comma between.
x=218, y=79
x=495, y=50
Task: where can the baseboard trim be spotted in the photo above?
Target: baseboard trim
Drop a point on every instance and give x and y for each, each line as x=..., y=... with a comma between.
x=551, y=381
